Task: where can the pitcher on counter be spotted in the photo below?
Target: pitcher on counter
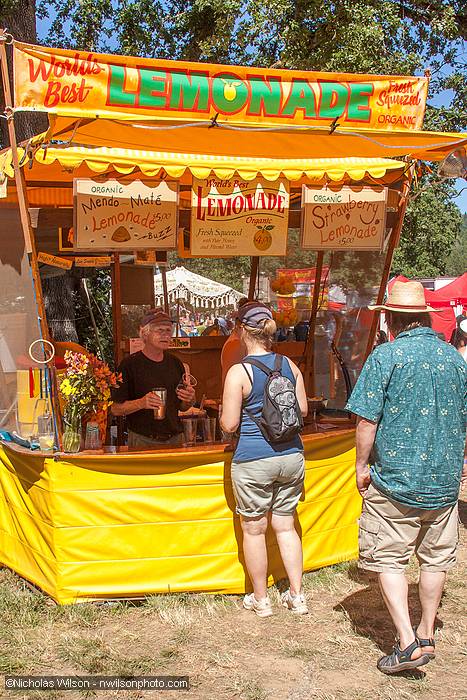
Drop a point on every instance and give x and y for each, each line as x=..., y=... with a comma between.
x=265, y=396
x=154, y=387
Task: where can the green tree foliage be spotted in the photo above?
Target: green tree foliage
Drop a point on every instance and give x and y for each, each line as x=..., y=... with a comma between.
x=456, y=263
x=430, y=231
x=101, y=342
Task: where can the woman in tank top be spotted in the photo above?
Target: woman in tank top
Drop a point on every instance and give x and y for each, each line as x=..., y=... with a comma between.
x=267, y=478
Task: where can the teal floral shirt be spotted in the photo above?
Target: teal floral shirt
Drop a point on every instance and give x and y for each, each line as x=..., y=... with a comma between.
x=415, y=388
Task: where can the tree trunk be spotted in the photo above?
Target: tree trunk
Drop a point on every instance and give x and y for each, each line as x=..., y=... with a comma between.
x=19, y=18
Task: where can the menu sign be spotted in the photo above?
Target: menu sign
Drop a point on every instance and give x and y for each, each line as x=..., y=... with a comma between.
x=104, y=261
x=346, y=219
x=239, y=217
x=54, y=261
x=114, y=216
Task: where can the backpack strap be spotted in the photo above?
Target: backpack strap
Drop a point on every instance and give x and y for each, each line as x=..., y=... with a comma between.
x=278, y=363
x=247, y=373
x=260, y=365
x=264, y=369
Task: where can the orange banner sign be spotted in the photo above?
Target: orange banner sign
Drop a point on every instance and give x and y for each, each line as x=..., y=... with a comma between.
x=87, y=84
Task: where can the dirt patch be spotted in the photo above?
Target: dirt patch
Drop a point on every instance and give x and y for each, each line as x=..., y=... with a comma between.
x=230, y=653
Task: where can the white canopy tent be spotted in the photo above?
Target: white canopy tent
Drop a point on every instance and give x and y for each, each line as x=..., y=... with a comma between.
x=201, y=292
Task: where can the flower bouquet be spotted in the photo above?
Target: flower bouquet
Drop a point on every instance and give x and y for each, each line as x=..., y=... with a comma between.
x=85, y=390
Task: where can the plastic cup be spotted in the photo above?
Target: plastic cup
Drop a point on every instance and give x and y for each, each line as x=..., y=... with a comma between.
x=190, y=427
x=46, y=442
x=159, y=412
x=45, y=432
x=92, y=441
x=209, y=430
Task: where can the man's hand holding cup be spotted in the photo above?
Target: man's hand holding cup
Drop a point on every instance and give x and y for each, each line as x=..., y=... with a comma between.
x=151, y=400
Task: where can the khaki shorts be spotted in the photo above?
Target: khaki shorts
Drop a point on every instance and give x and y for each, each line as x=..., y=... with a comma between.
x=390, y=533
x=273, y=483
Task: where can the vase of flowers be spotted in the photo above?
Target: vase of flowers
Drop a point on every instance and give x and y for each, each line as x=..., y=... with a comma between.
x=85, y=390
x=72, y=436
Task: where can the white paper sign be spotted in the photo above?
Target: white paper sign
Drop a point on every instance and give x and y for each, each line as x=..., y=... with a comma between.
x=114, y=216
x=346, y=219
x=239, y=217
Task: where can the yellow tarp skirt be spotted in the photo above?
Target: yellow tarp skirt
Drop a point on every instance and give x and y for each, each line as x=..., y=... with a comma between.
x=90, y=527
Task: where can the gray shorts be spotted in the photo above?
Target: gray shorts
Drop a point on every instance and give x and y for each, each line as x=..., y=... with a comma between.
x=391, y=532
x=273, y=483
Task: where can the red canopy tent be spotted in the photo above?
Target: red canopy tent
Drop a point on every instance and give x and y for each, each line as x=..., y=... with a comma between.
x=446, y=299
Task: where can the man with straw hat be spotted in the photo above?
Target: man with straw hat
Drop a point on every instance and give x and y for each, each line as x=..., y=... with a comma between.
x=411, y=403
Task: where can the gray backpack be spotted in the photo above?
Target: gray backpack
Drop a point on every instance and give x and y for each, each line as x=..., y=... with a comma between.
x=281, y=418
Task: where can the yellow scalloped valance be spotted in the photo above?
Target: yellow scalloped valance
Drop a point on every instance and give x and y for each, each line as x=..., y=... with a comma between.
x=46, y=164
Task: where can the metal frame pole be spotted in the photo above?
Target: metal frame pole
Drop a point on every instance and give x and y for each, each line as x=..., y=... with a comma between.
x=309, y=373
x=393, y=242
x=253, y=277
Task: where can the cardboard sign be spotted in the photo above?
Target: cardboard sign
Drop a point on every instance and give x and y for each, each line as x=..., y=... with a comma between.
x=145, y=257
x=344, y=219
x=105, y=261
x=114, y=216
x=54, y=261
x=180, y=342
x=239, y=217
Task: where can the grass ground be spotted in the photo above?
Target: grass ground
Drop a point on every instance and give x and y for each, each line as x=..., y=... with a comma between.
x=229, y=653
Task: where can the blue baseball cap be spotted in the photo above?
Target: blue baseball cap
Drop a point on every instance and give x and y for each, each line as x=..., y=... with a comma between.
x=253, y=313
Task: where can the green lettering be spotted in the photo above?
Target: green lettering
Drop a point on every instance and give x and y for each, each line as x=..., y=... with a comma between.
x=266, y=95
x=116, y=93
x=301, y=97
x=229, y=93
x=359, y=109
x=332, y=100
x=153, y=88
x=189, y=92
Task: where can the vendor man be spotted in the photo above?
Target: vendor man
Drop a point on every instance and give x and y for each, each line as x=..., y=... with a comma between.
x=142, y=372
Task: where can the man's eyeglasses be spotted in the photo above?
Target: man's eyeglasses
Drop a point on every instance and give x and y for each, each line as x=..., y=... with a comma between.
x=161, y=331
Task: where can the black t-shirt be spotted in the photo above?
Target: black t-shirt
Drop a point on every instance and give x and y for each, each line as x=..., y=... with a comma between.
x=140, y=375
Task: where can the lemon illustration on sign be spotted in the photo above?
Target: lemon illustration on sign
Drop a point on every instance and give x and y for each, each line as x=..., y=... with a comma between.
x=230, y=89
x=263, y=237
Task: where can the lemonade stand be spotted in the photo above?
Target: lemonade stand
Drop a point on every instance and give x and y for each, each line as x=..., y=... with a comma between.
x=147, y=155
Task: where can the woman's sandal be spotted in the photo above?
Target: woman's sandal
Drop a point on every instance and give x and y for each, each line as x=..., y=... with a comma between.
x=422, y=643
x=399, y=659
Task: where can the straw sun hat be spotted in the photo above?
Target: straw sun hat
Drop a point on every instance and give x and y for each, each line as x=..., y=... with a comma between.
x=407, y=298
